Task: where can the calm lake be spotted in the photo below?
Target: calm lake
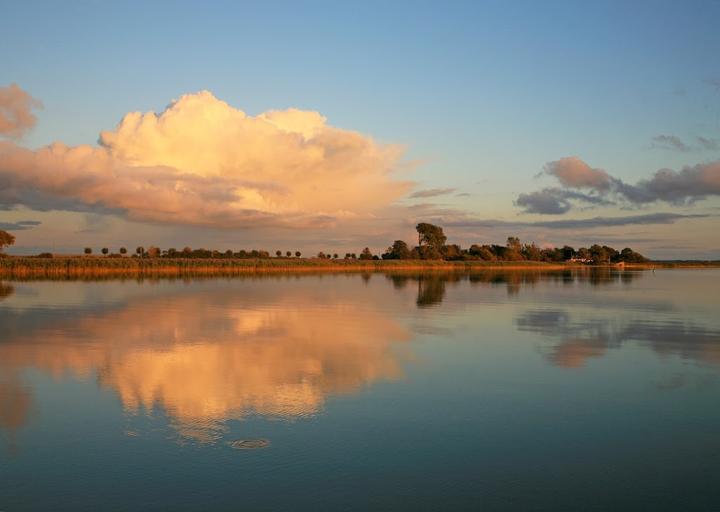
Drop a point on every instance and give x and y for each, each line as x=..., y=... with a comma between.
x=585, y=390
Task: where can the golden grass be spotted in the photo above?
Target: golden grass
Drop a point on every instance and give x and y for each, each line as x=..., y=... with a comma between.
x=93, y=266
x=77, y=266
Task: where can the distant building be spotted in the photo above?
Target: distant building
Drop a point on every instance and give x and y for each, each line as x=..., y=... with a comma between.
x=580, y=260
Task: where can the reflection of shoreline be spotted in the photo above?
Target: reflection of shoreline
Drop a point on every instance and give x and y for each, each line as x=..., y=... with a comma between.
x=579, y=340
x=432, y=285
x=210, y=356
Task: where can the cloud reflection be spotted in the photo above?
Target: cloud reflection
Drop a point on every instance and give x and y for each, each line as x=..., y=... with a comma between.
x=16, y=402
x=576, y=341
x=206, y=358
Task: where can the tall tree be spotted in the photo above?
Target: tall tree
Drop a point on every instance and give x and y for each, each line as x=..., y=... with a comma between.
x=429, y=234
x=6, y=239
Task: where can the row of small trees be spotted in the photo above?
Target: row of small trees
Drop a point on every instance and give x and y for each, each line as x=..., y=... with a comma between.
x=188, y=252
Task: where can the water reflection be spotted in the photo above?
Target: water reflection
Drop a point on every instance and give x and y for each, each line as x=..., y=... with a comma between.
x=205, y=352
x=15, y=405
x=432, y=286
x=205, y=358
x=6, y=290
x=577, y=340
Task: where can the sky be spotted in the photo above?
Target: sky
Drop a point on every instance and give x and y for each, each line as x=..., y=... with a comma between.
x=335, y=125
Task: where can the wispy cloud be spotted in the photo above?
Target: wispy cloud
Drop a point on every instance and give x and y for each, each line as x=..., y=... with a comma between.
x=709, y=144
x=672, y=142
x=675, y=143
x=594, y=222
x=20, y=225
x=555, y=201
x=431, y=192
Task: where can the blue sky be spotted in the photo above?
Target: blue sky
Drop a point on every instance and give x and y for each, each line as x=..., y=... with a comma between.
x=483, y=94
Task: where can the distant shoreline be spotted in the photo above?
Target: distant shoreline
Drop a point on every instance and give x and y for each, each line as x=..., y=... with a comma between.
x=60, y=266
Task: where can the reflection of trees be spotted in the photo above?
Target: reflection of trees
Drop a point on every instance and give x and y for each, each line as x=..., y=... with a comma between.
x=431, y=290
x=432, y=285
x=209, y=357
x=576, y=341
x=6, y=290
x=399, y=281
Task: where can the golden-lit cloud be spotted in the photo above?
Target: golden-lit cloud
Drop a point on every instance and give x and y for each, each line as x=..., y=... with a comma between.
x=16, y=116
x=204, y=162
x=573, y=172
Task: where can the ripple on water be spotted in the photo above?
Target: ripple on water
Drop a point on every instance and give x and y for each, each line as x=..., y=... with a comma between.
x=250, y=444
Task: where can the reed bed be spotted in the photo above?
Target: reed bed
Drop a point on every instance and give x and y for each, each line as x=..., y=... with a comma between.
x=102, y=266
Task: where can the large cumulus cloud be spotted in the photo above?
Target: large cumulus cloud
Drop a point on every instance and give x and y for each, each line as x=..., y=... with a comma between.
x=203, y=162
x=584, y=186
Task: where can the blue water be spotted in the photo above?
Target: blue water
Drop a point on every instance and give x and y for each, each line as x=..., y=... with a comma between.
x=488, y=391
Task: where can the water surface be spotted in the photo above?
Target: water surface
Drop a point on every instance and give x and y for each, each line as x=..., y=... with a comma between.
x=494, y=391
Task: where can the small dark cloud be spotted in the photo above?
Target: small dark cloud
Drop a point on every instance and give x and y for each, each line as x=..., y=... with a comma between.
x=462, y=194
x=431, y=192
x=679, y=187
x=675, y=143
x=690, y=184
x=19, y=225
x=555, y=201
x=708, y=144
x=573, y=172
x=11, y=196
x=671, y=142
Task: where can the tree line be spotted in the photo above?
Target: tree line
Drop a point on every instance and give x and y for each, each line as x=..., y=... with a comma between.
x=431, y=245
